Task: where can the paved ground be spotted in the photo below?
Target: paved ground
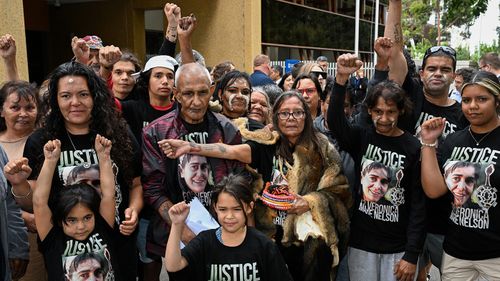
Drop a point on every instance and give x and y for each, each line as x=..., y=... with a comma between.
x=434, y=275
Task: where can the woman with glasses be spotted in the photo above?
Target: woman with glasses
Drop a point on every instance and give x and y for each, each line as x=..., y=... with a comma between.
x=388, y=220
x=302, y=163
x=472, y=241
x=309, y=87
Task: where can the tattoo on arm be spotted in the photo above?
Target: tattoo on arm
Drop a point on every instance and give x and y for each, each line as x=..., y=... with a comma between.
x=212, y=147
x=163, y=210
x=221, y=148
x=398, y=36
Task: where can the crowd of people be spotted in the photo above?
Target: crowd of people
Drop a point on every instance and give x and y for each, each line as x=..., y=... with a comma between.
x=113, y=170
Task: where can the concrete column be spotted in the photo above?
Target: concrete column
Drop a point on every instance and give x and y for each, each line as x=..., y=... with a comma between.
x=12, y=22
x=227, y=29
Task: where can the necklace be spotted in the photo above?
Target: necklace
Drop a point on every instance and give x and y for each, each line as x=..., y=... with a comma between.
x=71, y=140
x=86, y=164
x=480, y=140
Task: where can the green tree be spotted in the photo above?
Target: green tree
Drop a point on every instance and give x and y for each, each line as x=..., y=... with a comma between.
x=416, y=15
x=463, y=53
x=485, y=48
x=462, y=12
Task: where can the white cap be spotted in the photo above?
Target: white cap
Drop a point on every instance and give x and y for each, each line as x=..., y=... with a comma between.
x=158, y=61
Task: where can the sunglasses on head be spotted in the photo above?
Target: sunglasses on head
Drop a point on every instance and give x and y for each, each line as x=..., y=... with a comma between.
x=445, y=49
x=323, y=74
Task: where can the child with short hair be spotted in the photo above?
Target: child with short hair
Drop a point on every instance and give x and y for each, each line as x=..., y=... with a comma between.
x=233, y=250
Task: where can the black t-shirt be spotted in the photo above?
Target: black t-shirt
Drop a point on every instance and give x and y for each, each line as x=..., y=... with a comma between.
x=472, y=175
x=438, y=209
x=389, y=209
x=139, y=113
x=78, y=163
x=455, y=120
x=61, y=252
x=256, y=258
x=194, y=172
x=262, y=159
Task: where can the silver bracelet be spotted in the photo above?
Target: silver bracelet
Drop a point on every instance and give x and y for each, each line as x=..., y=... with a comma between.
x=18, y=196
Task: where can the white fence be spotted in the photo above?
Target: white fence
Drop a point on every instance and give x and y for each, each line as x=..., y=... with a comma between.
x=369, y=67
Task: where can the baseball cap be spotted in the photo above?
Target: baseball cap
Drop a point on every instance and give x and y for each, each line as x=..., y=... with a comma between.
x=93, y=41
x=158, y=61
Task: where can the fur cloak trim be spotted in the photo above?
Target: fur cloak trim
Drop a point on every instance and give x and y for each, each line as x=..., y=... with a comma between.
x=316, y=176
x=263, y=136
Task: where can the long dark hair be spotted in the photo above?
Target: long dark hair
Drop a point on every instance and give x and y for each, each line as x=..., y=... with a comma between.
x=282, y=81
x=308, y=136
x=228, y=79
x=317, y=85
x=25, y=91
x=104, y=118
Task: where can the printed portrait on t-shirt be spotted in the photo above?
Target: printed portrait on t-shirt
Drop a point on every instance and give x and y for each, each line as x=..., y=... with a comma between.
x=195, y=178
x=461, y=179
x=470, y=184
x=89, y=174
x=381, y=184
x=88, y=266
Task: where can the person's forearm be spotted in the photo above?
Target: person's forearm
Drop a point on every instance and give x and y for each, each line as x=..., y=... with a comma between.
x=173, y=257
x=382, y=65
x=11, y=67
x=43, y=184
x=186, y=50
x=107, y=207
x=163, y=211
x=240, y=152
x=397, y=62
x=105, y=72
x=23, y=195
x=136, y=196
x=432, y=180
x=107, y=178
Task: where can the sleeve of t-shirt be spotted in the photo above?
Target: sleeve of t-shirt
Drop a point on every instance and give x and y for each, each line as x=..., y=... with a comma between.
x=416, y=221
x=167, y=48
x=412, y=88
x=137, y=154
x=193, y=252
x=261, y=158
x=55, y=234
x=378, y=76
x=33, y=150
x=347, y=135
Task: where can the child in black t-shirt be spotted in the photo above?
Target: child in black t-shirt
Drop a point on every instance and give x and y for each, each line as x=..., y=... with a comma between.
x=232, y=250
x=75, y=235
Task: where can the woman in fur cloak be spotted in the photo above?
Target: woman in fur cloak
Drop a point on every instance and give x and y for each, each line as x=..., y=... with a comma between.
x=311, y=231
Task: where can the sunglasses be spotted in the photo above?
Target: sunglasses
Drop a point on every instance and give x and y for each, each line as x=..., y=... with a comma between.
x=323, y=74
x=445, y=49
